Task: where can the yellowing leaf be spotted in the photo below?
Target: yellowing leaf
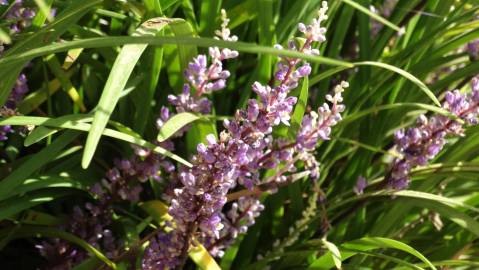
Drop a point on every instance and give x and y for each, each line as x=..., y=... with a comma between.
x=202, y=258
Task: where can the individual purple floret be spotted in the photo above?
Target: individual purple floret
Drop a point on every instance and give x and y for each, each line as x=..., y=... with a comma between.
x=421, y=143
x=244, y=148
x=361, y=184
x=472, y=48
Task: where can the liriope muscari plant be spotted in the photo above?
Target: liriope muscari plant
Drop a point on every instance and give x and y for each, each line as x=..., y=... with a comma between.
x=122, y=183
x=244, y=149
x=254, y=196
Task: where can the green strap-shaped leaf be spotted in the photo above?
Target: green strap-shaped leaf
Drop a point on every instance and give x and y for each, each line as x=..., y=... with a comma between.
x=378, y=254
x=119, y=75
x=373, y=15
x=334, y=252
x=299, y=109
x=67, y=85
x=99, y=42
x=17, y=204
x=356, y=115
x=434, y=197
x=5, y=37
x=180, y=55
x=365, y=244
x=63, y=180
x=405, y=74
x=35, y=162
x=380, y=242
x=409, y=194
x=174, y=124
x=152, y=62
x=38, y=134
x=209, y=11
x=45, y=10
x=202, y=258
x=76, y=124
x=453, y=214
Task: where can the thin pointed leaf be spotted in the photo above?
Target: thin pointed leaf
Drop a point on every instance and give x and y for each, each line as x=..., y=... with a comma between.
x=174, y=124
x=119, y=75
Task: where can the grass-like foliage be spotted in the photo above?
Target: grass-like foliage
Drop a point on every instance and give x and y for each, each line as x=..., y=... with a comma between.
x=253, y=134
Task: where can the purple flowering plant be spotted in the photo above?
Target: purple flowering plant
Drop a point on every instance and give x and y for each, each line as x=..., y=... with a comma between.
x=238, y=135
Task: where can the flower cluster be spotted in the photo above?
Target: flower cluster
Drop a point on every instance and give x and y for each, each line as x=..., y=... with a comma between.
x=236, y=221
x=204, y=79
x=421, y=143
x=92, y=224
x=240, y=153
x=317, y=126
x=472, y=48
x=122, y=183
x=314, y=31
x=163, y=252
x=19, y=16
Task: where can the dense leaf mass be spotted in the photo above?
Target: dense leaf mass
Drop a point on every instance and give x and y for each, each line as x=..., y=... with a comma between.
x=251, y=134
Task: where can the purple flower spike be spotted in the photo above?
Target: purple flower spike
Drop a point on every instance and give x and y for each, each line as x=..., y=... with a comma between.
x=318, y=125
x=244, y=149
x=20, y=15
x=419, y=144
x=91, y=223
x=472, y=48
x=204, y=79
x=314, y=31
